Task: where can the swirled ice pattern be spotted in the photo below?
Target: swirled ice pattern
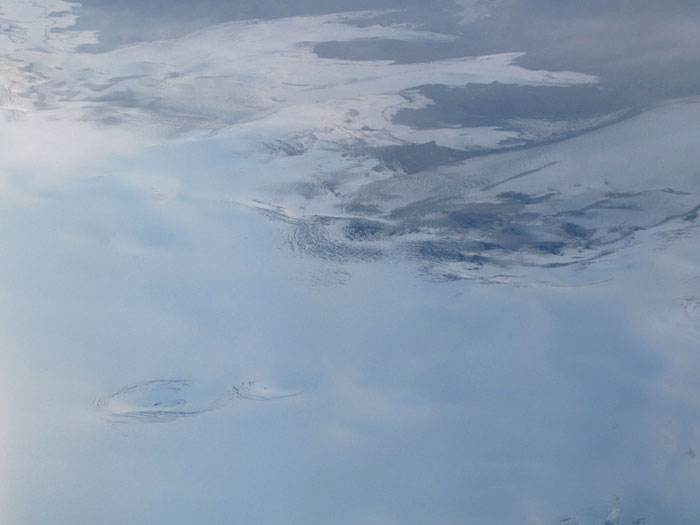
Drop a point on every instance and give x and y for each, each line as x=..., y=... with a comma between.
x=163, y=400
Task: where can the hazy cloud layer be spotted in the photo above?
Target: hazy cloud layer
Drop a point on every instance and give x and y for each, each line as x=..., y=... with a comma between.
x=453, y=244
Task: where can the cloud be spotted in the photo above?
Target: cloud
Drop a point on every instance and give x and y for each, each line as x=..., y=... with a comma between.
x=130, y=253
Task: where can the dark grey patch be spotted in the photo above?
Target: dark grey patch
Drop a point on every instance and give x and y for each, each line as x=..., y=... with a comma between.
x=619, y=42
x=551, y=247
x=414, y=158
x=445, y=252
x=473, y=218
x=484, y=215
x=312, y=189
x=363, y=230
x=524, y=198
x=309, y=190
x=515, y=236
x=57, y=14
x=287, y=149
x=359, y=208
x=579, y=232
x=498, y=104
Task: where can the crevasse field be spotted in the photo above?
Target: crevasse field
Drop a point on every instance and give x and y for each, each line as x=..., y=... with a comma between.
x=350, y=262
